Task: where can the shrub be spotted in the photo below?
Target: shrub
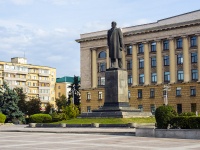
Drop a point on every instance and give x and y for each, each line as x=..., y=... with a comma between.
x=58, y=117
x=163, y=116
x=187, y=114
x=194, y=122
x=40, y=118
x=2, y=118
x=180, y=122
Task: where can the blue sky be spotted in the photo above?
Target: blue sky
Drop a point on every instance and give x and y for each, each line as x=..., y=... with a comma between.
x=46, y=30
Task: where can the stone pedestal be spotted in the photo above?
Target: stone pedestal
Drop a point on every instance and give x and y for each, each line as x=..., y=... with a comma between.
x=116, y=98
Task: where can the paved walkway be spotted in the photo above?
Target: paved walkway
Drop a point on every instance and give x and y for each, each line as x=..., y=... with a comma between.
x=19, y=137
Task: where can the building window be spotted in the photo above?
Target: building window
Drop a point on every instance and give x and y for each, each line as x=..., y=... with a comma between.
x=88, y=96
x=88, y=108
x=179, y=43
x=153, y=109
x=129, y=64
x=180, y=75
x=178, y=91
x=100, y=95
x=139, y=93
x=154, y=77
x=129, y=79
x=102, y=67
x=193, y=107
x=166, y=60
x=141, y=63
x=179, y=108
x=194, y=57
x=58, y=87
x=180, y=59
x=166, y=45
x=59, y=94
x=192, y=91
x=193, y=41
x=153, y=47
x=194, y=74
x=140, y=107
x=101, y=80
x=102, y=54
x=153, y=61
x=129, y=94
x=141, y=78
x=140, y=48
x=129, y=50
x=166, y=76
x=152, y=93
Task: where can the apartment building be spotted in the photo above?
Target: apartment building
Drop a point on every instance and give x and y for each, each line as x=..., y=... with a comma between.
x=36, y=81
x=166, y=52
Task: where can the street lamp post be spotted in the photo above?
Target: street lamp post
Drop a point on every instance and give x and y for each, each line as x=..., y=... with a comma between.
x=166, y=88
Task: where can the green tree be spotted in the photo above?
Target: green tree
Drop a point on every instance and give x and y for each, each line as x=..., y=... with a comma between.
x=71, y=111
x=48, y=109
x=33, y=106
x=75, y=91
x=22, y=104
x=10, y=99
x=61, y=102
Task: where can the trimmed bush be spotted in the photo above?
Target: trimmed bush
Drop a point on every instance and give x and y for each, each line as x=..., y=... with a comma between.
x=180, y=122
x=194, y=122
x=40, y=118
x=163, y=116
x=188, y=114
x=57, y=117
x=2, y=118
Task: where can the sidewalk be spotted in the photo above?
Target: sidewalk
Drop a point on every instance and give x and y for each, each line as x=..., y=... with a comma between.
x=86, y=130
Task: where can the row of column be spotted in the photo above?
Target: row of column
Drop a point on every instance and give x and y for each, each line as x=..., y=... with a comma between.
x=159, y=60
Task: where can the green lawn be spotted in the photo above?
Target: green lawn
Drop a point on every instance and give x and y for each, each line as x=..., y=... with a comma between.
x=108, y=120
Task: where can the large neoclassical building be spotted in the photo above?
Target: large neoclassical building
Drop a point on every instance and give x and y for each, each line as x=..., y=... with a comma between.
x=166, y=52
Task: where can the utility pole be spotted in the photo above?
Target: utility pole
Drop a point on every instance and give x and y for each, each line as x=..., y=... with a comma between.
x=166, y=88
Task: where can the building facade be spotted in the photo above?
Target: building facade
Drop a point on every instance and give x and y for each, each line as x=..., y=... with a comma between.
x=166, y=52
x=36, y=81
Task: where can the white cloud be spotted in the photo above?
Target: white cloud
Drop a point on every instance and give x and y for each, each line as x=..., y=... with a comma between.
x=22, y=2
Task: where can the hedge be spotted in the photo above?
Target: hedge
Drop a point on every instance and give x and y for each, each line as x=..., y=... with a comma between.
x=2, y=118
x=185, y=122
x=40, y=118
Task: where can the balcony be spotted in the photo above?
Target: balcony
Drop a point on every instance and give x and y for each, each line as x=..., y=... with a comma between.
x=44, y=87
x=44, y=81
x=44, y=74
x=16, y=71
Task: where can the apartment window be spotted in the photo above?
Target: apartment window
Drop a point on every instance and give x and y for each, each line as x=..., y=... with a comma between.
x=88, y=108
x=129, y=50
x=129, y=64
x=192, y=91
x=153, y=61
x=102, y=54
x=100, y=95
x=194, y=57
x=178, y=91
x=166, y=76
x=88, y=96
x=140, y=48
x=101, y=80
x=166, y=45
x=180, y=59
x=141, y=63
x=129, y=79
x=153, y=108
x=179, y=43
x=154, y=77
x=180, y=75
x=29, y=83
x=140, y=107
x=166, y=60
x=152, y=93
x=59, y=94
x=193, y=41
x=102, y=67
x=153, y=47
x=193, y=107
x=141, y=78
x=179, y=108
x=194, y=74
x=139, y=93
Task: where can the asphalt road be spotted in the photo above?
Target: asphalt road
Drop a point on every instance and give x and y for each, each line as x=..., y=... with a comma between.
x=74, y=141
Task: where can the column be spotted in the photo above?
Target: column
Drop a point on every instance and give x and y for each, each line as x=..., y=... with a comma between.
x=186, y=60
x=94, y=68
x=123, y=60
x=107, y=58
x=146, y=64
x=159, y=61
x=172, y=60
x=134, y=65
x=198, y=56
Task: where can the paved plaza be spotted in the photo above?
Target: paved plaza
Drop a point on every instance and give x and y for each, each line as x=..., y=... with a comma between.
x=36, y=140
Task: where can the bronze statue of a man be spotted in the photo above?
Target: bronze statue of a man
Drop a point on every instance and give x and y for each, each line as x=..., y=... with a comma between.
x=115, y=44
